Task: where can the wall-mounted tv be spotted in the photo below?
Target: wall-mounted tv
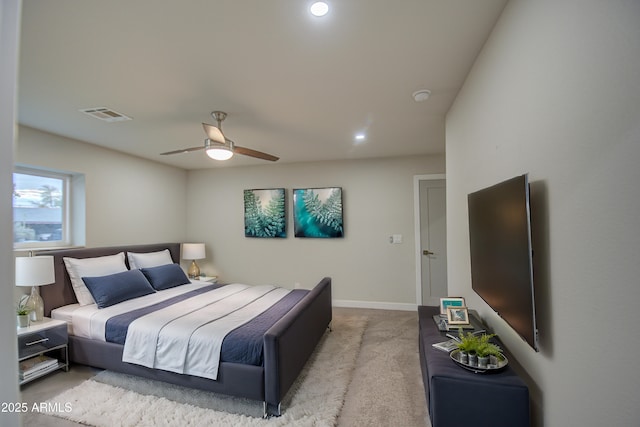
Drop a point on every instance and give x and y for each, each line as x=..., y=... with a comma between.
x=501, y=253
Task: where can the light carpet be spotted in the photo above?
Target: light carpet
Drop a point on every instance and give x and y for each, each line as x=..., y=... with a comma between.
x=315, y=399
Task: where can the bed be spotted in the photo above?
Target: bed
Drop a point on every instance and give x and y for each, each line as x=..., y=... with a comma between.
x=287, y=343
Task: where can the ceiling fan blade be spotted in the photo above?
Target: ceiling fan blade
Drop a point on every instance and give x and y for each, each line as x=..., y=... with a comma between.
x=184, y=150
x=214, y=133
x=254, y=153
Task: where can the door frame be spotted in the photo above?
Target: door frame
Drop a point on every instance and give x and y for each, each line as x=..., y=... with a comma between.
x=416, y=226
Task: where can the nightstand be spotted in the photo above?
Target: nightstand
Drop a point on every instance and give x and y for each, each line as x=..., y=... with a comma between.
x=42, y=348
x=212, y=279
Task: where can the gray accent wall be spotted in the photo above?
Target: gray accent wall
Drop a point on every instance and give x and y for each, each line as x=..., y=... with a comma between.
x=128, y=200
x=556, y=93
x=9, y=35
x=365, y=267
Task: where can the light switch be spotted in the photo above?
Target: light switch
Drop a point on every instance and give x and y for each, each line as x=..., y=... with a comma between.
x=396, y=238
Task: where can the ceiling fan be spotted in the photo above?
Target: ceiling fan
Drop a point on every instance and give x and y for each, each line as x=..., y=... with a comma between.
x=218, y=146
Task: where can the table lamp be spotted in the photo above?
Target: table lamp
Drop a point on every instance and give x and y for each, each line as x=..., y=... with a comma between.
x=193, y=251
x=35, y=271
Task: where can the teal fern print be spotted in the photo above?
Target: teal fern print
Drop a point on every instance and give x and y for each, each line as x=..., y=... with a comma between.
x=318, y=212
x=264, y=213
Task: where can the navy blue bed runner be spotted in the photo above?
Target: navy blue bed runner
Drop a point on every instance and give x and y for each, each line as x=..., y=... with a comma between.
x=242, y=345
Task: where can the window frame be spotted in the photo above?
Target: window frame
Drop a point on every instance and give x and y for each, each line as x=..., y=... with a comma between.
x=66, y=237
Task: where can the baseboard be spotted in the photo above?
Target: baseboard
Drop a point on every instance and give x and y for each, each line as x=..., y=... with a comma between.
x=375, y=305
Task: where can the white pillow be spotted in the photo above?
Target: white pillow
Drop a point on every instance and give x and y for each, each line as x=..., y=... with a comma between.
x=91, y=267
x=149, y=259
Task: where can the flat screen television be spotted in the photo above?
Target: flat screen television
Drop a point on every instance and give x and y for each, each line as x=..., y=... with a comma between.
x=501, y=253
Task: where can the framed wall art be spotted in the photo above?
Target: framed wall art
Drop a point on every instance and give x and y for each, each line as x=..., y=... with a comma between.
x=265, y=213
x=317, y=212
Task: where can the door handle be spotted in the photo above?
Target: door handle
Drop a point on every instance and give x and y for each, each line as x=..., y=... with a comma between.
x=427, y=252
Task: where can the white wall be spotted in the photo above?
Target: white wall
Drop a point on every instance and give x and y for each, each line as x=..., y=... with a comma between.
x=364, y=266
x=9, y=30
x=129, y=200
x=556, y=93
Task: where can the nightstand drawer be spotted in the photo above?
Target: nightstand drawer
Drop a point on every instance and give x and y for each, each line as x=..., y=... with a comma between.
x=39, y=341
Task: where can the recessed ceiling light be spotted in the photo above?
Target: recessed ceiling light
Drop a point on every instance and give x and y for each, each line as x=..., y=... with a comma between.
x=421, y=95
x=319, y=8
x=360, y=137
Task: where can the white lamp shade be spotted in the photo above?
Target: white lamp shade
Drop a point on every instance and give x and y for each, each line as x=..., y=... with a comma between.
x=34, y=271
x=193, y=251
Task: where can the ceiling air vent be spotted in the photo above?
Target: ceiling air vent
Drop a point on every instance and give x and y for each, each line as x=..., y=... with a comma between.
x=106, y=114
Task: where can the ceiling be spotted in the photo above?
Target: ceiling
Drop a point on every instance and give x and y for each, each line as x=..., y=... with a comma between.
x=293, y=85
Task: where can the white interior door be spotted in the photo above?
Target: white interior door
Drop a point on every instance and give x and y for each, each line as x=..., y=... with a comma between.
x=433, y=240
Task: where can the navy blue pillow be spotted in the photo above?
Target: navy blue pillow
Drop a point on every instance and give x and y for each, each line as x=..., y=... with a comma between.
x=165, y=276
x=118, y=287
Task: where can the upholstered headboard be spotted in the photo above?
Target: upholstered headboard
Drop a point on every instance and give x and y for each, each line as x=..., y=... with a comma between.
x=61, y=292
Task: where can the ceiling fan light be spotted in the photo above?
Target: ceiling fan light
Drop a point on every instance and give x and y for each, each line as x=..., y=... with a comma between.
x=219, y=153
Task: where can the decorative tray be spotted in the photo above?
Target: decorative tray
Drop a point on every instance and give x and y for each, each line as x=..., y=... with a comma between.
x=495, y=363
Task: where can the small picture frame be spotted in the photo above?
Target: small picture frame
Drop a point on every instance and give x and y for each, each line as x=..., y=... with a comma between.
x=457, y=316
x=450, y=302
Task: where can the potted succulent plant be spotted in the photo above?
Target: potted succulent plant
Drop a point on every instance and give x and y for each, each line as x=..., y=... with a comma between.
x=22, y=311
x=485, y=349
x=476, y=349
x=467, y=345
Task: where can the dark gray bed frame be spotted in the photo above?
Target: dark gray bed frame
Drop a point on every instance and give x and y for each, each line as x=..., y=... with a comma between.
x=287, y=344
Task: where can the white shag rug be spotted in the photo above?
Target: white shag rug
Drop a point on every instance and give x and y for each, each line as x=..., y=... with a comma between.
x=315, y=399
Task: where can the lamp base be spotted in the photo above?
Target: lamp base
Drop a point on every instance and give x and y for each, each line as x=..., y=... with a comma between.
x=35, y=305
x=194, y=270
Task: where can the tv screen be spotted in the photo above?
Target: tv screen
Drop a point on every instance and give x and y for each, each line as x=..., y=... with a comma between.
x=501, y=253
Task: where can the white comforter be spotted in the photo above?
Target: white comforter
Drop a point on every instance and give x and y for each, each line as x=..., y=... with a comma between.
x=187, y=337
x=89, y=321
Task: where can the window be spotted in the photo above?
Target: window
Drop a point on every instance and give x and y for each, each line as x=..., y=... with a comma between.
x=40, y=208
